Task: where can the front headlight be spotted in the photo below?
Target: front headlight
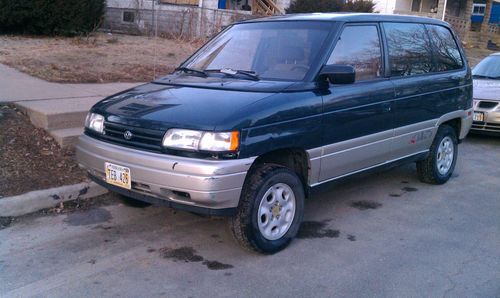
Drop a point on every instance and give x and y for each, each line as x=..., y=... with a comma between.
x=194, y=140
x=95, y=122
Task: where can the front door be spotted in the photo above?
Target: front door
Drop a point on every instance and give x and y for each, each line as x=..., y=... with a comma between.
x=358, y=121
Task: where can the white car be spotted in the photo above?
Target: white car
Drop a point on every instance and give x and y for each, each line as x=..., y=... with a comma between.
x=486, y=76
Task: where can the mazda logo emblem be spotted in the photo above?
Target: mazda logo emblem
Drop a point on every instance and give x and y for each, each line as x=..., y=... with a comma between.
x=127, y=135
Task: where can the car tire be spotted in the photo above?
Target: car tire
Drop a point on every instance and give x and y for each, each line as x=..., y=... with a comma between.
x=438, y=167
x=270, y=211
x=128, y=201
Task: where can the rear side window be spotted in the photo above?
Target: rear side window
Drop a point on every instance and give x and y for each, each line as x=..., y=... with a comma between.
x=359, y=47
x=410, y=50
x=446, y=50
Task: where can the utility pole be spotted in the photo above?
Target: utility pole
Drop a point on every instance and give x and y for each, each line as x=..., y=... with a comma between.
x=444, y=9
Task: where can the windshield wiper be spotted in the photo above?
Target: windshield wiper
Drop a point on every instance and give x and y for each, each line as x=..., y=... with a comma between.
x=192, y=71
x=233, y=72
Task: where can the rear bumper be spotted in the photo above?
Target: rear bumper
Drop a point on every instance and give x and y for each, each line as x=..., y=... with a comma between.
x=168, y=180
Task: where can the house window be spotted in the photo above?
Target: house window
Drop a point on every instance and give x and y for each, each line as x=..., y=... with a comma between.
x=128, y=16
x=478, y=9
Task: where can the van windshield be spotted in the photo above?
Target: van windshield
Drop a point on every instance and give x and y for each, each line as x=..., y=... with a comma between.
x=264, y=50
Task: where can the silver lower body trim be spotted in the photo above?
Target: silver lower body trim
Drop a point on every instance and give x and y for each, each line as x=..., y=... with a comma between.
x=368, y=168
x=356, y=155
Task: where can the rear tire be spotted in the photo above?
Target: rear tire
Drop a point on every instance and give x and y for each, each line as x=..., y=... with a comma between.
x=438, y=167
x=133, y=202
x=271, y=209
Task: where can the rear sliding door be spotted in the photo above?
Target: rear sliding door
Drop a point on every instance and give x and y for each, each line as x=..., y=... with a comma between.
x=427, y=71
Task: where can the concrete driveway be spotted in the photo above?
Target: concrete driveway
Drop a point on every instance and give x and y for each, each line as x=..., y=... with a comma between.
x=404, y=239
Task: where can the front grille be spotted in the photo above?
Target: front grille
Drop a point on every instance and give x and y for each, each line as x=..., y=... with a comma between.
x=487, y=104
x=142, y=138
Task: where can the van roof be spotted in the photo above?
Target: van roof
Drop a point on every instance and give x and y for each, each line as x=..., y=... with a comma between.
x=349, y=17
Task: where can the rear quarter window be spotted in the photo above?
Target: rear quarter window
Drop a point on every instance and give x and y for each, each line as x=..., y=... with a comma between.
x=446, y=53
x=410, y=49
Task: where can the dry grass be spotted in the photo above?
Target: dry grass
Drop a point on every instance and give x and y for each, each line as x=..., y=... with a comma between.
x=100, y=58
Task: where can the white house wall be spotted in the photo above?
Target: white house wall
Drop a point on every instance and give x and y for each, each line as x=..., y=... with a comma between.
x=385, y=6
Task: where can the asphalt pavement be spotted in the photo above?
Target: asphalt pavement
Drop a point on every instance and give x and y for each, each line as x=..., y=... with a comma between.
x=380, y=235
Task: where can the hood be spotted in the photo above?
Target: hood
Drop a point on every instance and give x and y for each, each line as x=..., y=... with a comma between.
x=487, y=89
x=160, y=106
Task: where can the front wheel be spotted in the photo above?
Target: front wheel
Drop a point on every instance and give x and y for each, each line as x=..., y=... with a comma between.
x=439, y=165
x=270, y=211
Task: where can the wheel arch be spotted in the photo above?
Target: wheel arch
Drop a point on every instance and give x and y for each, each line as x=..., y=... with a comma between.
x=295, y=159
x=460, y=120
x=456, y=124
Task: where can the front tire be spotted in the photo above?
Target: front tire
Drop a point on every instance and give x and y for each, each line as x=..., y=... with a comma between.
x=271, y=209
x=438, y=167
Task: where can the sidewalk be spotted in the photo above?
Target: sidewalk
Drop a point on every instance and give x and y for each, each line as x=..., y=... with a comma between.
x=60, y=109
x=17, y=86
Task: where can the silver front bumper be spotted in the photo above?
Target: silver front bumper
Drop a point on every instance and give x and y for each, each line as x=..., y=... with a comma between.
x=196, y=182
x=491, y=122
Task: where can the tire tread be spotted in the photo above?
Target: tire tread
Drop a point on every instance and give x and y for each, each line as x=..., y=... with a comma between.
x=426, y=171
x=239, y=223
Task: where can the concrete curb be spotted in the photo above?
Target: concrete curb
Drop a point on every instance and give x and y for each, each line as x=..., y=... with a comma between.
x=40, y=199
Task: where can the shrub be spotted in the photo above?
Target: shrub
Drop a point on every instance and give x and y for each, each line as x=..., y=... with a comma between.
x=304, y=6
x=50, y=17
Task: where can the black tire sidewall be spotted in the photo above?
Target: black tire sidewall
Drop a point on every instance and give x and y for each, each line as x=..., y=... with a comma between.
x=444, y=131
x=285, y=176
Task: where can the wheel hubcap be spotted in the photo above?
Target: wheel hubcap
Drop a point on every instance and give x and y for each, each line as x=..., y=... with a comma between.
x=445, y=154
x=276, y=211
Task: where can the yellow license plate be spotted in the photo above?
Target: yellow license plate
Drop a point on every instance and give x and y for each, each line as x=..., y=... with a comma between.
x=118, y=175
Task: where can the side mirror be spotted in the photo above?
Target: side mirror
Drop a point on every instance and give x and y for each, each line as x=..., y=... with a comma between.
x=338, y=74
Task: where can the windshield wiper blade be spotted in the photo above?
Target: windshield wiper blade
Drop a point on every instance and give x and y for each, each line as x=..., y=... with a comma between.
x=192, y=70
x=233, y=72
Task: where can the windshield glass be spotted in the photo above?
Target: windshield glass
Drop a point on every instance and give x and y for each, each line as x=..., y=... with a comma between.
x=489, y=67
x=270, y=50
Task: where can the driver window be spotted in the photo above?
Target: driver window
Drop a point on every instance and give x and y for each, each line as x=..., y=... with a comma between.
x=359, y=47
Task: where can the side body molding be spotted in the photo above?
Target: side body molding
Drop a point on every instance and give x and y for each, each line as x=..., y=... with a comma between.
x=406, y=141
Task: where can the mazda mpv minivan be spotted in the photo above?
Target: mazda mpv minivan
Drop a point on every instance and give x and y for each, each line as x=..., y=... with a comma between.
x=272, y=108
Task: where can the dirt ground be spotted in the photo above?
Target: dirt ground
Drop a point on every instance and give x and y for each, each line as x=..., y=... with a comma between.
x=98, y=59
x=30, y=159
